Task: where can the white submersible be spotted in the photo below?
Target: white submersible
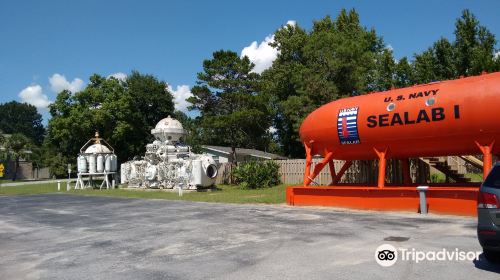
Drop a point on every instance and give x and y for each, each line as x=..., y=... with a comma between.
x=96, y=160
x=169, y=163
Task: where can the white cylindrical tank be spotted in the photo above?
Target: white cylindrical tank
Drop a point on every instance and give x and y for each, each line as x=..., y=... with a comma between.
x=107, y=163
x=197, y=172
x=100, y=163
x=124, y=171
x=182, y=149
x=114, y=163
x=92, y=163
x=81, y=164
x=209, y=170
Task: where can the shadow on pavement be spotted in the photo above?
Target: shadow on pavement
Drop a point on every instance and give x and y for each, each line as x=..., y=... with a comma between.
x=483, y=264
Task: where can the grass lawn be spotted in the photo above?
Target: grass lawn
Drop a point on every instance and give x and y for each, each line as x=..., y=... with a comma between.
x=30, y=189
x=5, y=181
x=224, y=193
x=476, y=177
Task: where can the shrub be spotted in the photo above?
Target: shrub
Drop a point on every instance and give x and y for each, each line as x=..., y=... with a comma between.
x=257, y=174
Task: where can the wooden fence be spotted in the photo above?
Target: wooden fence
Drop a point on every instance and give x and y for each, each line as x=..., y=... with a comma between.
x=363, y=172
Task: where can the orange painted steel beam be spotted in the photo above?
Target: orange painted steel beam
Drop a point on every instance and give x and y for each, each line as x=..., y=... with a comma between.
x=331, y=164
x=342, y=170
x=405, y=166
x=487, y=157
x=382, y=164
x=441, y=200
x=308, y=164
x=319, y=167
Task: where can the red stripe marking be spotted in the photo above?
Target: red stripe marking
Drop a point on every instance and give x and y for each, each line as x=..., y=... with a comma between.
x=345, y=132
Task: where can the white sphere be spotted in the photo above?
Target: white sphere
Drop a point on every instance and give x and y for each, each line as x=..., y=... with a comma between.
x=168, y=129
x=97, y=149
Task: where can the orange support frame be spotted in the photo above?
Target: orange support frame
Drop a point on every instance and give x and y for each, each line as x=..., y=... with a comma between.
x=487, y=157
x=382, y=164
x=344, y=168
x=318, y=168
x=308, y=164
x=332, y=169
x=461, y=200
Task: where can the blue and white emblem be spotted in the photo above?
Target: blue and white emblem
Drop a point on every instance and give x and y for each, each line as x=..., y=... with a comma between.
x=347, y=126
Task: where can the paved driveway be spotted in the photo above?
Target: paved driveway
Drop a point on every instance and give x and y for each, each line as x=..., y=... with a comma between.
x=60, y=236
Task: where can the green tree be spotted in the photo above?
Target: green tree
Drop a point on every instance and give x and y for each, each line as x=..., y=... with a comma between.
x=232, y=113
x=192, y=129
x=17, y=145
x=472, y=52
x=22, y=118
x=384, y=73
x=337, y=58
x=283, y=87
x=404, y=74
x=474, y=46
x=123, y=112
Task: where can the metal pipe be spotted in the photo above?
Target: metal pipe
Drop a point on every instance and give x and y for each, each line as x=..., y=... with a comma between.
x=423, y=199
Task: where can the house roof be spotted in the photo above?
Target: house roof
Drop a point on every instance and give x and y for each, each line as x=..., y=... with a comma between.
x=243, y=151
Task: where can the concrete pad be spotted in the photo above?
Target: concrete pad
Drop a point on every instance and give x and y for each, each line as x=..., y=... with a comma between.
x=59, y=236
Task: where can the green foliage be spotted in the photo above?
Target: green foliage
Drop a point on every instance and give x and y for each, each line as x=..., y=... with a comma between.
x=123, y=112
x=472, y=52
x=257, y=174
x=232, y=111
x=337, y=58
x=438, y=178
x=22, y=118
x=2, y=138
x=17, y=145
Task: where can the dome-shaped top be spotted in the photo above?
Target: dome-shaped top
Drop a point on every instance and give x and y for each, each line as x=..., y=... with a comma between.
x=100, y=146
x=97, y=149
x=169, y=123
x=168, y=129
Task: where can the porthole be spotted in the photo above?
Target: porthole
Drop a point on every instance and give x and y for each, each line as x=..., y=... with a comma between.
x=391, y=107
x=430, y=101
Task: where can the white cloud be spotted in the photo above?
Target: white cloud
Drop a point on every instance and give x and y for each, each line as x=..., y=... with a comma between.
x=120, y=76
x=389, y=47
x=180, y=95
x=497, y=54
x=262, y=54
x=59, y=83
x=34, y=95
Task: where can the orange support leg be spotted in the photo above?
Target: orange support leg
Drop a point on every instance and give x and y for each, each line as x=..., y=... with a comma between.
x=382, y=163
x=308, y=164
x=487, y=157
x=319, y=167
x=344, y=168
x=332, y=169
x=405, y=166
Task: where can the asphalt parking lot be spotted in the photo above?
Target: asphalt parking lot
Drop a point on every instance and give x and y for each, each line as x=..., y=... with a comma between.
x=60, y=236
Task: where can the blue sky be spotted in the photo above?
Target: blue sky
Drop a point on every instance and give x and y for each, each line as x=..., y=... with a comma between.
x=46, y=46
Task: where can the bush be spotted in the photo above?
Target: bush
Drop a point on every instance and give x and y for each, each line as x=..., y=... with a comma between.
x=257, y=174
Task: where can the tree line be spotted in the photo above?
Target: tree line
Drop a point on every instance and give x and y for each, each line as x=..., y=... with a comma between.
x=237, y=107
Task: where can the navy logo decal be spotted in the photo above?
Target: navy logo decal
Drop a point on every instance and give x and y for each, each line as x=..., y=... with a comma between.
x=347, y=126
